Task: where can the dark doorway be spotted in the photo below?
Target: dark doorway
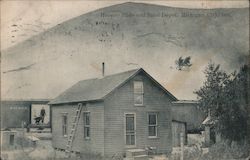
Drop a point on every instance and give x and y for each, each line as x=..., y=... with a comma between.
x=212, y=135
x=11, y=139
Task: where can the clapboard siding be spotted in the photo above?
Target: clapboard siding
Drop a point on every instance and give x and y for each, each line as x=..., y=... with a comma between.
x=122, y=101
x=96, y=142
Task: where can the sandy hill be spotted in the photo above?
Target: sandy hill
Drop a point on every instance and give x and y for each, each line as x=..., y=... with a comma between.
x=126, y=36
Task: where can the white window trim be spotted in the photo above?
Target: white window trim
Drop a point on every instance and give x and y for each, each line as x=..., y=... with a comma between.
x=156, y=125
x=87, y=138
x=138, y=93
x=129, y=146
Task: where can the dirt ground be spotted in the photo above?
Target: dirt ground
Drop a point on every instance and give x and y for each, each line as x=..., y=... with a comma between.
x=42, y=148
x=44, y=151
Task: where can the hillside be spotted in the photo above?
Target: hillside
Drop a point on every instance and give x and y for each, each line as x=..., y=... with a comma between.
x=123, y=35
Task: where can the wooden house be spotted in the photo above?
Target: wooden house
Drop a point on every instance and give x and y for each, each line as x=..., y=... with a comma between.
x=121, y=111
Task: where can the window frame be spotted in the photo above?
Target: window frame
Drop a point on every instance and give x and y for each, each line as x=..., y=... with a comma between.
x=138, y=93
x=64, y=125
x=86, y=125
x=153, y=125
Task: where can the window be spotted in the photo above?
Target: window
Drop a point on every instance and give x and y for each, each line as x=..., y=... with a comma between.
x=64, y=124
x=152, y=125
x=138, y=93
x=86, y=119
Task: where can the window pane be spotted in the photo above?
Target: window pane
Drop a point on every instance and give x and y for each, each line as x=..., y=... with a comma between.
x=152, y=119
x=128, y=140
x=138, y=99
x=86, y=132
x=86, y=119
x=129, y=123
x=64, y=120
x=138, y=87
x=132, y=140
x=152, y=131
x=64, y=130
x=64, y=124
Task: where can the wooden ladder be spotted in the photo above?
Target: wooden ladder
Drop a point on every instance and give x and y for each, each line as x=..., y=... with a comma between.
x=71, y=137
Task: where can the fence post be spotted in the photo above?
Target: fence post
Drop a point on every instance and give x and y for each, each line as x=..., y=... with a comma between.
x=182, y=146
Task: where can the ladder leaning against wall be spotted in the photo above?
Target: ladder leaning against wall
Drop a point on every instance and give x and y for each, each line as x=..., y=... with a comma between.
x=72, y=134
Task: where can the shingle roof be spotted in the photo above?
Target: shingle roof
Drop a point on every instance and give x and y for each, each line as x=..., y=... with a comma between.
x=25, y=100
x=95, y=89
x=186, y=102
x=92, y=89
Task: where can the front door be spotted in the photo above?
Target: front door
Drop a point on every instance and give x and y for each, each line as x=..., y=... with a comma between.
x=130, y=129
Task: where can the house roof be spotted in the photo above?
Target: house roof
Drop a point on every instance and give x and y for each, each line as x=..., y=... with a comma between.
x=186, y=102
x=25, y=100
x=98, y=88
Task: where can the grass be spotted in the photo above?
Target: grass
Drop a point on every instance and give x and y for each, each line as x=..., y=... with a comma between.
x=219, y=151
x=86, y=156
x=224, y=150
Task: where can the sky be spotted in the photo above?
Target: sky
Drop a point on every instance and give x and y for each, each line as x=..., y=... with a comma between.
x=47, y=14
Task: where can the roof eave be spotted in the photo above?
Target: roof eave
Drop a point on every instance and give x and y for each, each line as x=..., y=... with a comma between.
x=182, y=102
x=70, y=102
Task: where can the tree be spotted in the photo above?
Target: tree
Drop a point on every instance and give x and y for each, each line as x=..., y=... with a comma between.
x=225, y=97
x=182, y=63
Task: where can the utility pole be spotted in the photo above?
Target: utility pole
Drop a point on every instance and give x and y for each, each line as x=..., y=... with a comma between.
x=182, y=146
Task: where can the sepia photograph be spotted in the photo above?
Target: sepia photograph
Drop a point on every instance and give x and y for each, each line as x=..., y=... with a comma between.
x=125, y=80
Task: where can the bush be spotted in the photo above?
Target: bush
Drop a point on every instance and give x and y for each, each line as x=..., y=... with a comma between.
x=219, y=151
x=224, y=150
x=192, y=153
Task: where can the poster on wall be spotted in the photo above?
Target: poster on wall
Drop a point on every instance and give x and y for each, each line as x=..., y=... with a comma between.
x=40, y=114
